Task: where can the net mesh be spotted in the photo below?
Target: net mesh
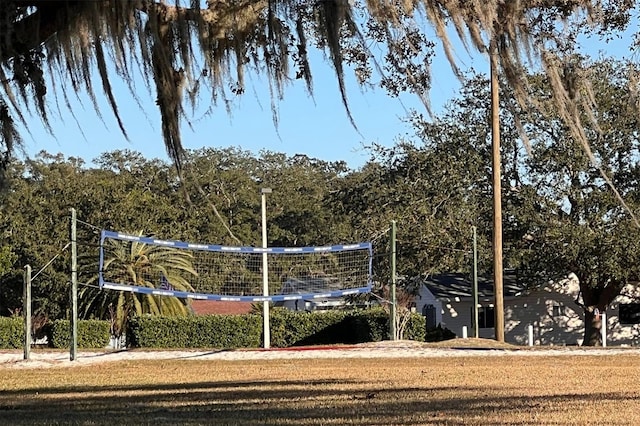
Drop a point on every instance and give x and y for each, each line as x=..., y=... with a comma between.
x=201, y=271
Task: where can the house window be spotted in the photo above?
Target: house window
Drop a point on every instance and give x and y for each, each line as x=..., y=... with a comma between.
x=558, y=311
x=429, y=311
x=486, y=317
x=629, y=313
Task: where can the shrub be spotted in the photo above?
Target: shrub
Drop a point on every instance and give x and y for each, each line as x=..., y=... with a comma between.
x=288, y=328
x=91, y=334
x=11, y=332
x=298, y=328
x=416, y=328
x=372, y=325
x=438, y=334
x=206, y=331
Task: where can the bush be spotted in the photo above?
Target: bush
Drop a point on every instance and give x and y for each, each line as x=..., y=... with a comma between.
x=206, y=331
x=416, y=328
x=297, y=328
x=438, y=334
x=11, y=332
x=372, y=325
x=288, y=328
x=91, y=334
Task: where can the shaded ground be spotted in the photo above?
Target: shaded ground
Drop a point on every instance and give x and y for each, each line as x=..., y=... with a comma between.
x=496, y=390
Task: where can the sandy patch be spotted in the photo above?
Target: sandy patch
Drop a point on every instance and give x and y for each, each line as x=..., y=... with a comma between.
x=385, y=349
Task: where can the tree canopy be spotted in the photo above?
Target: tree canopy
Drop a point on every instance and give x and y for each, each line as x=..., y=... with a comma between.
x=182, y=50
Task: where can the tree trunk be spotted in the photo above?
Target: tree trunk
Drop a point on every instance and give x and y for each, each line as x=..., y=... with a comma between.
x=596, y=299
x=592, y=327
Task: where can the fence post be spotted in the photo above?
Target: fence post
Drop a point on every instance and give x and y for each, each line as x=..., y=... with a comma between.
x=530, y=334
x=26, y=301
x=603, y=329
x=476, y=327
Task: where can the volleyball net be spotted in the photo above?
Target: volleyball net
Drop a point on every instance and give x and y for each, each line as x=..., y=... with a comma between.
x=215, y=272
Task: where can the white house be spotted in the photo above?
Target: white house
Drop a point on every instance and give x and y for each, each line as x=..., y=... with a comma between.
x=551, y=309
x=623, y=317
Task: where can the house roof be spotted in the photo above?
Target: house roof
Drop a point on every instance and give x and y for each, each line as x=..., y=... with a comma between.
x=217, y=307
x=450, y=286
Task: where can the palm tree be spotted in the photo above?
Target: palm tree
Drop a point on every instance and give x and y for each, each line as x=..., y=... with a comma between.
x=142, y=265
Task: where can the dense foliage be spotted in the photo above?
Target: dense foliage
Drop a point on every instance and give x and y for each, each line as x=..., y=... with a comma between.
x=288, y=328
x=224, y=209
x=93, y=334
x=11, y=332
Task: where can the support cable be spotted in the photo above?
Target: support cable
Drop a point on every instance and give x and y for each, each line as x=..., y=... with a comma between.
x=51, y=261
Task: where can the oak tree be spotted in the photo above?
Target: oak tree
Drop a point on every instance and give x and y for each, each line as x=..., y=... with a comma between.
x=186, y=50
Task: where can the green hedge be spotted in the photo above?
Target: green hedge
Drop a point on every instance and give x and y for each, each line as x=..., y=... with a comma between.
x=291, y=328
x=288, y=328
x=91, y=334
x=207, y=331
x=11, y=332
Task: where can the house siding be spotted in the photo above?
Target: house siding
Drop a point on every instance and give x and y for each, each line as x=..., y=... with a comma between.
x=459, y=314
x=552, y=311
x=623, y=334
x=520, y=312
x=452, y=314
x=426, y=298
x=537, y=309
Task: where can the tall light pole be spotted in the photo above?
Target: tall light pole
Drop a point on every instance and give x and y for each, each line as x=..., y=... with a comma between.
x=265, y=271
x=394, y=309
x=497, y=191
x=74, y=289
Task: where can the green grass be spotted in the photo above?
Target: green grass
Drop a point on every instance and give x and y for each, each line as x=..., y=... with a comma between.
x=458, y=390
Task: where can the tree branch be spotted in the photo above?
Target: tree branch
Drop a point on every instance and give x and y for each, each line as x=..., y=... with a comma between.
x=47, y=20
x=36, y=28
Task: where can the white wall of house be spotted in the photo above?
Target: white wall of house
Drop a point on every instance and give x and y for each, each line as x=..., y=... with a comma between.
x=558, y=320
x=459, y=313
x=555, y=317
x=453, y=314
x=552, y=310
x=623, y=334
x=426, y=298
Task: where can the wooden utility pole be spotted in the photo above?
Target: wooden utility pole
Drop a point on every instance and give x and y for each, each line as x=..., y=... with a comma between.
x=497, y=192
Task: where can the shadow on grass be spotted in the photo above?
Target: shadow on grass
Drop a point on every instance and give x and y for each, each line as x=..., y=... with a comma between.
x=300, y=402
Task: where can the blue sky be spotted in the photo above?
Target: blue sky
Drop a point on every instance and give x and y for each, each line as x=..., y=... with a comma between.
x=318, y=127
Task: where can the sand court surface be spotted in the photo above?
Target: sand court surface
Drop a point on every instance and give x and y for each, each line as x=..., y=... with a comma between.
x=40, y=358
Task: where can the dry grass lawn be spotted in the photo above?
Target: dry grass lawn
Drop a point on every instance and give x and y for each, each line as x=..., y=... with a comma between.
x=499, y=390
